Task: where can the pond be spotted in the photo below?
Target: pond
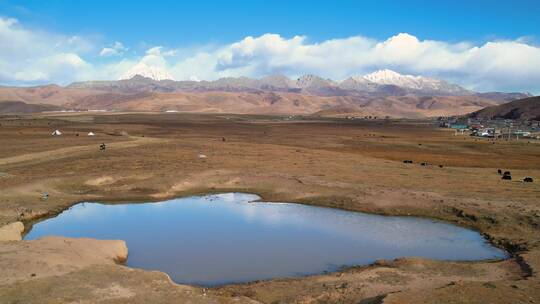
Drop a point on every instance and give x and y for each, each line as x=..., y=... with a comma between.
x=227, y=238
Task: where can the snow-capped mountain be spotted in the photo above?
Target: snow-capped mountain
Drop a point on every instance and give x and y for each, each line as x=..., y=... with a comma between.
x=390, y=77
x=419, y=83
x=146, y=78
x=152, y=72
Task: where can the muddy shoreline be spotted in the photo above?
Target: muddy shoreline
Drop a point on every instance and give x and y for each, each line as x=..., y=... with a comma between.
x=509, y=249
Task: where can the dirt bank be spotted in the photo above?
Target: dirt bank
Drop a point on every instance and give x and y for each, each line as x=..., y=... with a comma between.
x=53, y=256
x=11, y=232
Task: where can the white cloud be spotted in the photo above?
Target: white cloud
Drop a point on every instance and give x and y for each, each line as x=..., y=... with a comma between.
x=29, y=56
x=152, y=65
x=491, y=66
x=107, y=51
x=116, y=49
x=33, y=56
x=155, y=51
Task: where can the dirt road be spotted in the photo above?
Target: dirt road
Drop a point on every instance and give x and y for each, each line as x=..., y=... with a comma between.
x=57, y=154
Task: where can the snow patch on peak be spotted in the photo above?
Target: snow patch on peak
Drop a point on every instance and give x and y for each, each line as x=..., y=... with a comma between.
x=387, y=76
x=148, y=71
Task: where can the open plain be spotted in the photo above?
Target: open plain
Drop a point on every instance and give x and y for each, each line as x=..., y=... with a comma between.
x=348, y=164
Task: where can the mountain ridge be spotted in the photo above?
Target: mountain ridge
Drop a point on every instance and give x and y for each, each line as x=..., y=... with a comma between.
x=379, y=83
x=386, y=94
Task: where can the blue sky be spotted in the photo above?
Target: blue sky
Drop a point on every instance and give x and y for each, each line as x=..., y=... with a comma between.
x=194, y=22
x=197, y=31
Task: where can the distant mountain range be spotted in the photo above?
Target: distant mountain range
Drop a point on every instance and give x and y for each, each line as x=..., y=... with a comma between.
x=382, y=93
x=379, y=83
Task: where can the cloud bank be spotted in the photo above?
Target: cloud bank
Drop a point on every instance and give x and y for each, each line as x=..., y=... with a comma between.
x=31, y=56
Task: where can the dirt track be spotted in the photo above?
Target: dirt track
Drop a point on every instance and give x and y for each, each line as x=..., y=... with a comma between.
x=335, y=163
x=58, y=154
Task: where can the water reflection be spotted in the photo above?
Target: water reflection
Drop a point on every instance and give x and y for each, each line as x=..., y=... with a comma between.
x=225, y=238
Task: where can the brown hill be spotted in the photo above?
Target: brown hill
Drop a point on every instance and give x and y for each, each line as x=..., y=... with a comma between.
x=286, y=103
x=12, y=107
x=522, y=109
x=248, y=102
x=49, y=94
x=504, y=97
x=411, y=106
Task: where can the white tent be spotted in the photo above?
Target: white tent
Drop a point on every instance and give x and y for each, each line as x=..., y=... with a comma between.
x=91, y=133
x=56, y=133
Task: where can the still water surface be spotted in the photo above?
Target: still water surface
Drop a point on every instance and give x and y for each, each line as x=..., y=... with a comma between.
x=218, y=239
